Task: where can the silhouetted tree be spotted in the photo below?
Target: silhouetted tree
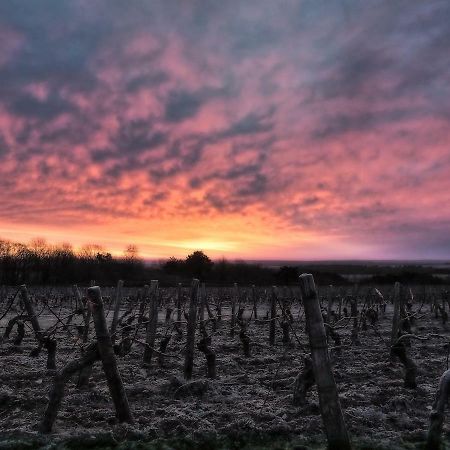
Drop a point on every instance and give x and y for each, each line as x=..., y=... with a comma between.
x=198, y=265
x=287, y=275
x=131, y=253
x=174, y=266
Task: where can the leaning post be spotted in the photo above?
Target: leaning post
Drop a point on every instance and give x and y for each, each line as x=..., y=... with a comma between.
x=179, y=300
x=437, y=415
x=152, y=324
x=117, y=302
x=396, y=318
x=273, y=315
x=255, y=302
x=234, y=301
x=86, y=315
x=143, y=304
x=105, y=350
x=31, y=313
x=192, y=318
x=330, y=407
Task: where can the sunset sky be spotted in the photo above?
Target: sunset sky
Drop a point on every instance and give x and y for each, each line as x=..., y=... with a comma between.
x=259, y=129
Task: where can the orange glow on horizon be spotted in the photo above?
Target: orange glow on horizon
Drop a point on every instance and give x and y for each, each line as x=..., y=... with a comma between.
x=252, y=241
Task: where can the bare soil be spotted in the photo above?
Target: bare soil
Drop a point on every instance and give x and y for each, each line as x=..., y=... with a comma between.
x=249, y=404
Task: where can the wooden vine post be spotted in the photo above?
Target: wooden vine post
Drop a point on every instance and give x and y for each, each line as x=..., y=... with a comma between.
x=152, y=323
x=273, y=315
x=234, y=300
x=330, y=407
x=179, y=299
x=59, y=382
x=330, y=303
x=31, y=313
x=202, y=302
x=43, y=341
x=86, y=314
x=255, y=302
x=397, y=318
x=191, y=324
x=86, y=370
x=303, y=382
x=117, y=302
x=143, y=305
x=106, y=352
x=437, y=415
x=204, y=345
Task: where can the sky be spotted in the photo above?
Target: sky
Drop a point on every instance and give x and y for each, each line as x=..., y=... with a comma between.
x=256, y=129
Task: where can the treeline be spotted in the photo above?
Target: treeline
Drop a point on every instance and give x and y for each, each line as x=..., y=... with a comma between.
x=40, y=263
x=45, y=264
x=225, y=272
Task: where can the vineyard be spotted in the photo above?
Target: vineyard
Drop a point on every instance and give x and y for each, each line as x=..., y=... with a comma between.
x=224, y=367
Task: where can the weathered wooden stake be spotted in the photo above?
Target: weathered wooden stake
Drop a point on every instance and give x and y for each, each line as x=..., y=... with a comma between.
x=204, y=345
x=30, y=312
x=354, y=314
x=20, y=333
x=144, y=301
x=245, y=339
x=117, y=302
x=106, y=352
x=255, y=302
x=285, y=326
x=399, y=350
x=59, y=382
x=162, y=349
x=202, y=302
x=303, y=382
x=396, y=318
x=84, y=375
x=10, y=325
x=192, y=319
x=273, y=314
x=330, y=407
x=50, y=346
x=330, y=303
x=179, y=297
x=437, y=413
x=86, y=315
x=152, y=324
x=234, y=299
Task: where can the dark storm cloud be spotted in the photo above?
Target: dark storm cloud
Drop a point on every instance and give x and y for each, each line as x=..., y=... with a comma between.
x=102, y=155
x=3, y=146
x=250, y=37
x=241, y=171
x=47, y=109
x=393, y=50
x=256, y=186
x=250, y=173
x=356, y=68
x=137, y=136
x=343, y=123
x=182, y=105
x=151, y=80
x=56, y=50
x=181, y=156
x=252, y=123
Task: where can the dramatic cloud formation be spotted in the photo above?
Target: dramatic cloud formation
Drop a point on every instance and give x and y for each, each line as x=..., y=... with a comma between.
x=259, y=129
